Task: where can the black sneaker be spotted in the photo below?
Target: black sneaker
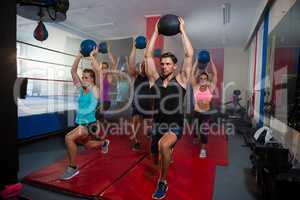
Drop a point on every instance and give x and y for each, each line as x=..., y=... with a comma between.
x=136, y=146
x=104, y=147
x=161, y=190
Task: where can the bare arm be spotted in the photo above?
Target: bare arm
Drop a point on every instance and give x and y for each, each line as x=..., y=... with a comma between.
x=214, y=75
x=194, y=72
x=111, y=58
x=76, y=79
x=97, y=66
x=131, y=62
x=96, y=92
x=187, y=67
x=151, y=71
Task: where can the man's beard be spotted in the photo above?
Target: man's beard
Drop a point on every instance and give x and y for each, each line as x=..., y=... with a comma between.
x=166, y=76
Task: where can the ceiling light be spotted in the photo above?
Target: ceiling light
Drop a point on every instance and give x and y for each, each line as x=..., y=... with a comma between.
x=226, y=13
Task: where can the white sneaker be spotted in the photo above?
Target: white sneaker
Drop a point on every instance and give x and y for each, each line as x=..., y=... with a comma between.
x=69, y=173
x=203, y=153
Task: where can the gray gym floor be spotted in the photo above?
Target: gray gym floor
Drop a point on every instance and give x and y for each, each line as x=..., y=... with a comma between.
x=232, y=182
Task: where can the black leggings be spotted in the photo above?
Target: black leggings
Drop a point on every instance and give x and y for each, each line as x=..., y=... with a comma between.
x=201, y=121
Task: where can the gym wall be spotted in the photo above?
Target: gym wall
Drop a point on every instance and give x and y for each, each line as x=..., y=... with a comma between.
x=257, y=63
x=256, y=51
x=120, y=47
x=286, y=65
x=228, y=60
x=272, y=55
x=278, y=10
x=235, y=73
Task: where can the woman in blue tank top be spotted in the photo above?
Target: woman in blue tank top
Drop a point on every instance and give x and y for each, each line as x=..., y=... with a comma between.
x=86, y=133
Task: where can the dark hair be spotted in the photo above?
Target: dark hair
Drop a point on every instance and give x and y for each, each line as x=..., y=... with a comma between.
x=92, y=74
x=105, y=63
x=169, y=55
x=204, y=73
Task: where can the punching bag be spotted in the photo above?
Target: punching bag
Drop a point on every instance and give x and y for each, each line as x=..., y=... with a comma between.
x=40, y=33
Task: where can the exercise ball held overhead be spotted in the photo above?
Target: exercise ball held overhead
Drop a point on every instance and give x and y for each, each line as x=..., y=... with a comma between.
x=87, y=46
x=140, y=42
x=103, y=47
x=169, y=25
x=203, y=57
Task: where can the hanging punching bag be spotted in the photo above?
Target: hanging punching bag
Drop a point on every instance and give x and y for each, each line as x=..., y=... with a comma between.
x=40, y=33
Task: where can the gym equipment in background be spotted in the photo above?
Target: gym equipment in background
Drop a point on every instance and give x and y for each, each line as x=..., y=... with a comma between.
x=236, y=110
x=169, y=25
x=40, y=32
x=263, y=135
x=140, y=42
x=87, y=46
x=237, y=115
x=103, y=47
x=43, y=10
x=272, y=157
x=280, y=186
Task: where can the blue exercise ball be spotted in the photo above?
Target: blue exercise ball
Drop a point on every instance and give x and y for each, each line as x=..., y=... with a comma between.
x=140, y=42
x=202, y=66
x=203, y=57
x=169, y=25
x=87, y=46
x=103, y=47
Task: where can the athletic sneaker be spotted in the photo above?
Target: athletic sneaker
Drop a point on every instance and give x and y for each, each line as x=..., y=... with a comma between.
x=161, y=190
x=104, y=147
x=136, y=146
x=203, y=153
x=69, y=173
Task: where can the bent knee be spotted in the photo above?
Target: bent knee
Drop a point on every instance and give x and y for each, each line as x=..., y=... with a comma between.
x=77, y=133
x=163, y=146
